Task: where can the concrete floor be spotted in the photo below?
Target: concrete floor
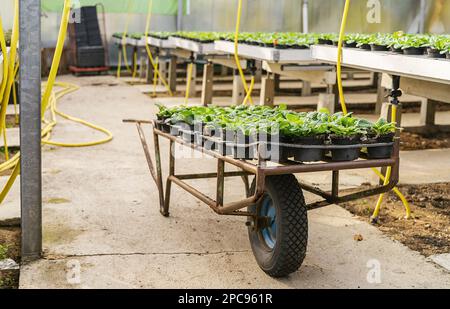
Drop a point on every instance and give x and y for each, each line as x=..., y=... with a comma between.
x=101, y=218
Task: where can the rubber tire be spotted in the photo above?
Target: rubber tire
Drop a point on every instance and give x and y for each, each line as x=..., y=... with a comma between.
x=292, y=228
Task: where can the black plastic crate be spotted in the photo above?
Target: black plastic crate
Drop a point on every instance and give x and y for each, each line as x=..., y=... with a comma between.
x=91, y=56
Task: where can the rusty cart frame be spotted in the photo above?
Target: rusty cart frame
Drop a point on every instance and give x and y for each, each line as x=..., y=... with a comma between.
x=257, y=192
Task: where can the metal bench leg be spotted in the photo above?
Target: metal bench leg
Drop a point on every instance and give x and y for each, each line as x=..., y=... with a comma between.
x=220, y=182
x=207, y=85
x=173, y=73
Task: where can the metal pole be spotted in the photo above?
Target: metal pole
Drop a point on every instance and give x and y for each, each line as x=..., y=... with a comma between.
x=305, y=16
x=30, y=128
x=180, y=15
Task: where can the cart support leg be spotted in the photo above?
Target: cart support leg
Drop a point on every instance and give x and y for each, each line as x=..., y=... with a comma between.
x=220, y=182
x=246, y=185
x=159, y=176
x=165, y=211
x=335, y=184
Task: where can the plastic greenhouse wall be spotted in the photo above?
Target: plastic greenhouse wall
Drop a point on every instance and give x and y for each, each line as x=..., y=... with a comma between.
x=258, y=15
x=116, y=15
x=324, y=15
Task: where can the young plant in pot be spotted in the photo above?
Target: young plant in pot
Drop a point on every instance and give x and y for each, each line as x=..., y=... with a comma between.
x=163, y=118
x=327, y=38
x=363, y=41
x=211, y=133
x=413, y=44
x=446, y=51
x=380, y=132
x=380, y=42
x=303, y=132
x=223, y=131
x=351, y=40
x=344, y=131
x=183, y=123
x=395, y=45
x=268, y=136
x=435, y=46
x=245, y=147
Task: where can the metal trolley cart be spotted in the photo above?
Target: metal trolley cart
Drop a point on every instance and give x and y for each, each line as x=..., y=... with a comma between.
x=274, y=205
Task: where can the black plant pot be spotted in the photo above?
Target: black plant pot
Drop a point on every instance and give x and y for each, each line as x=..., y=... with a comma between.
x=245, y=147
x=224, y=148
x=365, y=47
x=350, y=45
x=158, y=124
x=308, y=154
x=175, y=130
x=396, y=50
x=209, y=144
x=165, y=127
x=295, y=46
x=345, y=154
x=178, y=128
x=244, y=152
x=214, y=131
x=198, y=139
x=268, y=146
x=282, y=46
x=417, y=51
x=325, y=42
x=434, y=53
x=376, y=47
x=188, y=136
x=279, y=153
x=381, y=152
x=228, y=135
x=447, y=55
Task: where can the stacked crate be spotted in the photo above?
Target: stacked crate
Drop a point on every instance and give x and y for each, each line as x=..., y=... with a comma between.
x=90, y=51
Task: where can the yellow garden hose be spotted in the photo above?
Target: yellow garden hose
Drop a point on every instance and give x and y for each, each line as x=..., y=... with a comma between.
x=339, y=67
x=68, y=88
x=188, y=82
x=236, y=52
x=386, y=178
x=250, y=90
x=5, y=60
x=155, y=76
x=124, y=40
x=4, y=81
x=134, y=64
x=11, y=76
x=14, y=92
x=149, y=52
x=119, y=64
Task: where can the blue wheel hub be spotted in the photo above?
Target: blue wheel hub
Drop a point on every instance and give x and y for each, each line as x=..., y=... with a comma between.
x=269, y=232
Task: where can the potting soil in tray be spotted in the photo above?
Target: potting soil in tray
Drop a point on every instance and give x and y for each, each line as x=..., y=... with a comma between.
x=244, y=152
x=224, y=148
